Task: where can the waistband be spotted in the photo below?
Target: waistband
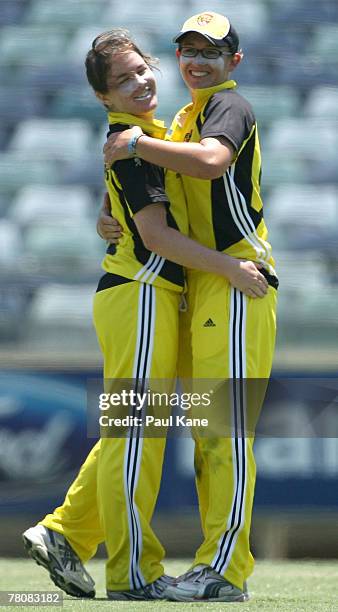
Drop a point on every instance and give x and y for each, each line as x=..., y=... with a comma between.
x=271, y=278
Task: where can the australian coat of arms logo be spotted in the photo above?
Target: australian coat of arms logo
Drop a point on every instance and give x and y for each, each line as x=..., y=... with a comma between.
x=204, y=19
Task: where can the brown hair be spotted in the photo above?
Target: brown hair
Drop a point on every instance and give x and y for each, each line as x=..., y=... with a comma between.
x=99, y=58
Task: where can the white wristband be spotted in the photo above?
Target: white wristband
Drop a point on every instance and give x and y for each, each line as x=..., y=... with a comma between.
x=133, y=141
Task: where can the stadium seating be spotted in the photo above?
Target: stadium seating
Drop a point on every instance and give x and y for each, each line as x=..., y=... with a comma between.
x=59, y=318
x=15, y=172
x=270, y=103
x=281, y=171
x=64, y=13
x=40, y=203
x=65, y=250
x=51, y=138
x=9, y=239
x=17, y=103
x=63, y=238
x=294, y=267
x=49, y=79
x=322, y=102
x=304, y=205
x=144, y=16
x=324, y=41
x=53, y=130
x=80, y=42
x=306, y=13
x=11, y=11
x=70, y=305
x=77, y=102
x=31, y=45
x=304, y=137
x=252, y=18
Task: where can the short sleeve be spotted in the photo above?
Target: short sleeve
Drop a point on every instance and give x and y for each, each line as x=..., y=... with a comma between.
x=142, y=183
x=228, y=114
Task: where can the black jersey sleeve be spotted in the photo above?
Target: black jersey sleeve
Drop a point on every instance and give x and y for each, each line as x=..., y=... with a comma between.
x=142, y=183
x=227, y=114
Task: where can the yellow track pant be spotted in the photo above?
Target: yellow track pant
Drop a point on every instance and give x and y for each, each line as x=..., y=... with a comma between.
x=114, y=495
x=232, y=338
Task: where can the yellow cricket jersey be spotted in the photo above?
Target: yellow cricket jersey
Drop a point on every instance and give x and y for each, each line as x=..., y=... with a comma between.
x=226, y=213
x=133, y=184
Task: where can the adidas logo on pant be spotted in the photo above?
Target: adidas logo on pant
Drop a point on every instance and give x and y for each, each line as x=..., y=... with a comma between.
x=209, y=323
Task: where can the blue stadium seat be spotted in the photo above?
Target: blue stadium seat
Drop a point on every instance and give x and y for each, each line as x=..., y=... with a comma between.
x=16, y=171
x=145, y=17
x=73, y=246
x=81, y=41
x=322, y=102
x=77, y=102
x=85, y=171
x=49, y=79
x=324, y=171
x=31, y=45
x=271, y=103
x=11, y=11
x=303, y=71
x=278, y=169
x=296, y=137
x=247, y=17
x=52, y=138
x=15, y=295
x=59, y=318
x=78, y=239
x=17, y=103
x=10, y=237
x=65, y=13
x=305, y=13
x=301, y=273
x=253, y=71
x=324, y=42
x=278, y=41
x=303, y=205
x=38, y=203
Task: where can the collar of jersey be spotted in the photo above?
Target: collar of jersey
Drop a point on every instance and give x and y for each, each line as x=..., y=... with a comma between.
x=154, y=127
x=202, y=95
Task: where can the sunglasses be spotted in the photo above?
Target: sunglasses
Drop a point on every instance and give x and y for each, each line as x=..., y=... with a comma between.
x=207, y=53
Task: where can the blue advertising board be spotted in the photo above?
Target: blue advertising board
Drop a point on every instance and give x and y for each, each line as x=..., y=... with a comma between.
x=43, y=442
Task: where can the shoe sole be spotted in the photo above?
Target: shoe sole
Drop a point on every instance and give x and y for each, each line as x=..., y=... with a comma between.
x=59, y=581
x=130, y=596
x=177, y=597
x=123, y=597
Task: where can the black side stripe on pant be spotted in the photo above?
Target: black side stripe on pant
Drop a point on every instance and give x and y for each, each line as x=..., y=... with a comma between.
x=237, y=372
x=134, y=444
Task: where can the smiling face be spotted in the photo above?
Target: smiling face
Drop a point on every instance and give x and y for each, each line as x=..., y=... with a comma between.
x=131, y=86
x=200, y=72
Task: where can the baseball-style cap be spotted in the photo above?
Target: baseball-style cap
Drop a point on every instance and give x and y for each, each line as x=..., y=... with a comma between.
x=213, y=26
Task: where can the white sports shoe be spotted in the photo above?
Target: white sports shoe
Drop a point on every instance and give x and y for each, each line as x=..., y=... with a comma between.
x=202, y=583
x=51, y=550
x=154, y=590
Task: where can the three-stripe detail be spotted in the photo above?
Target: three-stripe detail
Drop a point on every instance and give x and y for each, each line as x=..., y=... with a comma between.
x=243, y=221
x=151, y=269
x=134, y=443
x=237, y=373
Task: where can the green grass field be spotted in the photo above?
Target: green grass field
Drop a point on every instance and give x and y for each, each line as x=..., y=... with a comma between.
x=274, y=587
